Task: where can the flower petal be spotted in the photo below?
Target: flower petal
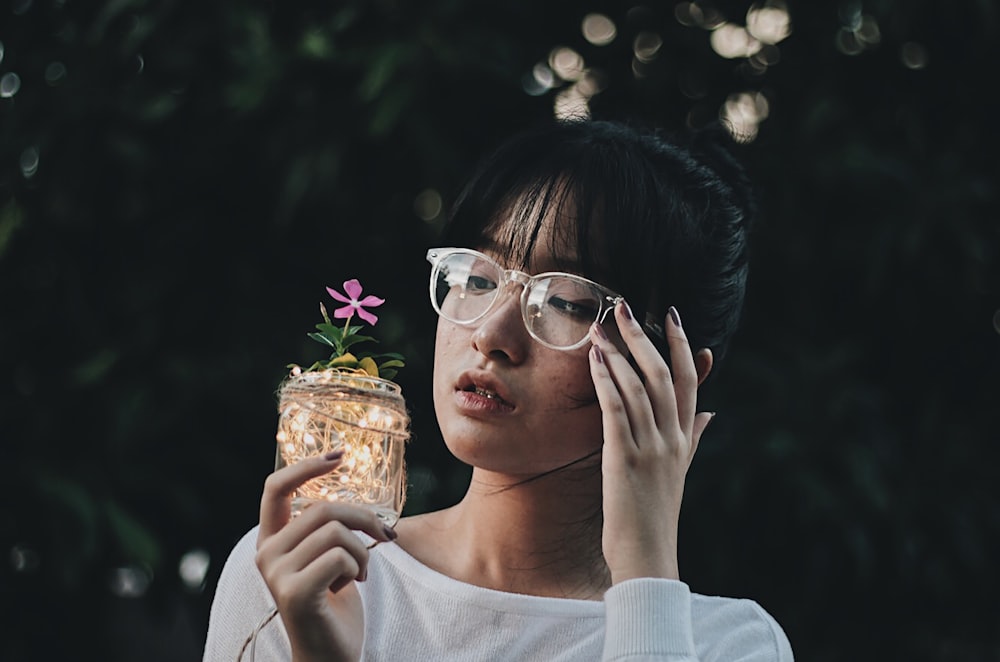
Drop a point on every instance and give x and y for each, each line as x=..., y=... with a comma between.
x=346, y=312
x=353, y=288
x=366, y=316
x=337, y=295
x=371, y=301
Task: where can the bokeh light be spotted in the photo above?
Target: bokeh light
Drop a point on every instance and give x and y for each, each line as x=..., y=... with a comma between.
x=193, y=568
x=598, y=29
x=55, y=72
x=428, y=205
x=742, y=114
x=10, y=83
x=131, y=581
x=646, y=45
x=29, y=162
x=539, y=81
x=732, y=41
x=571, y=104
x=566, y=63
x=858, y=33
x=913, y=55
x=769, y=24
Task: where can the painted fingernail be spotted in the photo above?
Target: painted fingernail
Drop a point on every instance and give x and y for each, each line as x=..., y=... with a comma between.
x=626, y=311
x=389, y=533
x=333, y=455
x=598, y=354
x=675, y=317
x=600, y=332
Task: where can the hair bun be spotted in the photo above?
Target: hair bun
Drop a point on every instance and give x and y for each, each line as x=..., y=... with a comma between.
x=714, y=147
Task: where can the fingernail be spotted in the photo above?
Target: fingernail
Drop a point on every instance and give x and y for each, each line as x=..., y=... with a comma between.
x=600, y=332
x=626, y=311
x=390, y=533
x=598, y=354
x=675, y=317
x=333, y=455
x=363, y=575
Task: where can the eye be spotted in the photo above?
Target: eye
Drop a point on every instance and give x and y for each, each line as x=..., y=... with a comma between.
x=479, y=284
x=585, y=309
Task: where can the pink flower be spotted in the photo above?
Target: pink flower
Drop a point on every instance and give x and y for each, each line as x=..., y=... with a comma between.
x=352, y=288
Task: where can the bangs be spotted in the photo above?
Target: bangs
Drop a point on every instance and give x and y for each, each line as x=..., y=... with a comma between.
x=505, y=206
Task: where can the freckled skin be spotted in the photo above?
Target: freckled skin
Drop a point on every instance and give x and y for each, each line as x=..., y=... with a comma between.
x=548, y=426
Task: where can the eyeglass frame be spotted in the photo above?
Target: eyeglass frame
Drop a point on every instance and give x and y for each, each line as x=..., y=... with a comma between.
x=608, y=302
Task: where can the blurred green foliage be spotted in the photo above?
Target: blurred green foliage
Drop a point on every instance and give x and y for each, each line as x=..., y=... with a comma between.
x=179, y=181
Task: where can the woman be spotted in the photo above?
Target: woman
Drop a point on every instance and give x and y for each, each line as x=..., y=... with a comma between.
x=576, y=410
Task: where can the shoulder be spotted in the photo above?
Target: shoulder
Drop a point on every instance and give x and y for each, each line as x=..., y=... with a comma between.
x=738, y=624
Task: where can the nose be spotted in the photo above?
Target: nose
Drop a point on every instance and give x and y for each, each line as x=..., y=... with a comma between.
x=501, y=334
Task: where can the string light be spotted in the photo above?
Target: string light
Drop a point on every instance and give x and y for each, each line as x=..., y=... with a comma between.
x=365, y=418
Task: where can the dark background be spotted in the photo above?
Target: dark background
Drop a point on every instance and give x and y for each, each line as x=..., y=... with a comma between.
x=180, y=181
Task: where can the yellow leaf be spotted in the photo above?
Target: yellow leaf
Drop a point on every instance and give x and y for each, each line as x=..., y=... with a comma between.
x=345, y=360
x=368, y=365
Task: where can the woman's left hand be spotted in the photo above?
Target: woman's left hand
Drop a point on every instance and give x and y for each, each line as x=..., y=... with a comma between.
x=651, y=432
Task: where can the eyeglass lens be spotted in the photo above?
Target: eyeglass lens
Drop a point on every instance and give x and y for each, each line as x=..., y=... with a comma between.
x=557, y=310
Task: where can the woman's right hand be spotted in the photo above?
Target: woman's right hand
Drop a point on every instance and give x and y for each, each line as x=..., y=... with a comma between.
x=310, y=563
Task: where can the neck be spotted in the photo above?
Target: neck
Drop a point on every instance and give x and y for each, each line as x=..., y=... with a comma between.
x=536, y=535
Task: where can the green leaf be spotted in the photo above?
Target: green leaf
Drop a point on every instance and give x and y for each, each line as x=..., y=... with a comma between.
x=353, y=340
x=395, y=363
x=323, y=339
x=335, y=333
x=387, y=374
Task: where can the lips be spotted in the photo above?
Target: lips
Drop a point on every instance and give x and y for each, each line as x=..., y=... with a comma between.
x=485, y=386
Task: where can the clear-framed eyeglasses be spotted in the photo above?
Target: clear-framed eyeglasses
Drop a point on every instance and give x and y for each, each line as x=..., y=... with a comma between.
x=557, y=308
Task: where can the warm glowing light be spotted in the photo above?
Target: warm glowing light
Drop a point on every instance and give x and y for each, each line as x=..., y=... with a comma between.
x=742, y=114
x=598, y=29
x=731, y=41
x=363, y=417
x=913, y=55
x=646, y=45
x=769, y=24
x=566, y=63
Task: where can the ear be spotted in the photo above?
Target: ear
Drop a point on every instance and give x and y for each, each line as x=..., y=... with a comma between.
x=703, y=361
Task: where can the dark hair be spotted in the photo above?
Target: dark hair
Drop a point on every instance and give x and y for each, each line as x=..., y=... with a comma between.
x=661, y=220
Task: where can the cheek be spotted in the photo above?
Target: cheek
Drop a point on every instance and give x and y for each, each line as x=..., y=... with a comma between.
x=573, y=380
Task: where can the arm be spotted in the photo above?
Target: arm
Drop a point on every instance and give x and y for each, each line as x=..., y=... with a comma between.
x=651, y=432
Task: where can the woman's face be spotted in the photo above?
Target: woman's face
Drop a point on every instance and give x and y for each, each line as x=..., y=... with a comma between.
x=507, y=403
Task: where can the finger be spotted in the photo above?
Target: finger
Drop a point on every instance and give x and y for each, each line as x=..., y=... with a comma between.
x=331, y=535
x=276, y=501
x=685, y=380
x=614, y=417
x=316, y=515
x=624, y=391
x=657, y=383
